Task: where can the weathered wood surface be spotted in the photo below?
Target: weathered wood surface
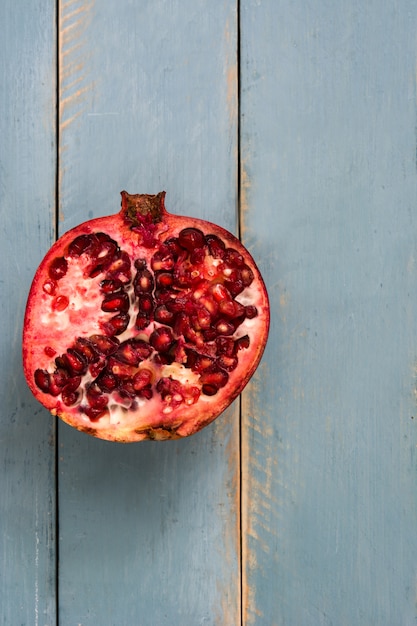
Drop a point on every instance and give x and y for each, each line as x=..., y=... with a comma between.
x=27, y=201
x=329, y=176
x=149, y=533
x=304, y=512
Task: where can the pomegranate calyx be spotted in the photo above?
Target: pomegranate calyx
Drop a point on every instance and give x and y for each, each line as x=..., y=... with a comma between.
x=137, y=206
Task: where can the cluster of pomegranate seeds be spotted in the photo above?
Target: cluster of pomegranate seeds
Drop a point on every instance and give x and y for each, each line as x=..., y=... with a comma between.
x=178, y=306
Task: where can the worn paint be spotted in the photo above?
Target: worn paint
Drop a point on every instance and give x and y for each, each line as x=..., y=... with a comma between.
x=27, y=433
x=155, y=111
x=74, y=80
x=329, y=447
x=327, y=473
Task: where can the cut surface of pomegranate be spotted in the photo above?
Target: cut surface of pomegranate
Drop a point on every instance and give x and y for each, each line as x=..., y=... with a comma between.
x=143, y=324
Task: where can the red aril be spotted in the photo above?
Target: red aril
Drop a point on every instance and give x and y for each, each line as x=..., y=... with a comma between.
x=143, y=325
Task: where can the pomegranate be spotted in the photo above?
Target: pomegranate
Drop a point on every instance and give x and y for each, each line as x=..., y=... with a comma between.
x=143, y=325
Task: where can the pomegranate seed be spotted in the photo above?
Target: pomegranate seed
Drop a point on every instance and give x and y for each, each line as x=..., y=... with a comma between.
x=95, y=397
x=209, y=390
x=107, y=381
x=224, y=327
x=242, y=343
x=216, y=246
x=246, y=275
x=210, y=304
x=61, y=377
x=49, y=351
x=96, y=368
x=81, y=244
x=251, y=311
x=72, y=384
x=168, y=387
x=60, y=303
x=191, y=238
x=201, y=319
x=144, y=282
x=180, y=355
x=220, y=293
x=198, y=362
x=75, y=362
x=142, y=379
x=174, y=247
x=225, y=345
x=191, y=395
x=235, y=286
x=43, y=380
x=233, y=257
x=228, y=363
x=101, y=237
x=210, y=334
x=182, y=323
x=162, y=315
x=161, y=339
x=214, y=376
x=85, y=347
x=127, y=354
x=240, y=311
x=143, y=348
x=69, y=398
x=197, y=256
x=176, y=305
x=120, y=267
x=58, y=268
x=133, y=351
x=164, y=279
x=142, y=321
x=69, y=392
x=183, y=277
x=146, y=303
x=227, y=307
x=105, y=345
x=116, y=325
x=59, y=362
x=146, y=392
x=200, y=289
x=111, y=285
x=49, y=287
x=94, y=413
x=107, y=252
x=162, y=259
x=126, y=388
x=115, y=302
x=162, y=296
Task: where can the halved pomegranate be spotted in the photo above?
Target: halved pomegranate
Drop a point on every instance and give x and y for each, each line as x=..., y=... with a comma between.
x=143, y=325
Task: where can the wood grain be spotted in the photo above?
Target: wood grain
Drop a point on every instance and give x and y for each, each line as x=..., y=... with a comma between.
x=324, y=481
x=329, y=435
x=27, y=198
x=149, y=533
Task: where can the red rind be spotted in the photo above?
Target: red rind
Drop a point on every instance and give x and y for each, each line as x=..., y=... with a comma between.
x=149, y=422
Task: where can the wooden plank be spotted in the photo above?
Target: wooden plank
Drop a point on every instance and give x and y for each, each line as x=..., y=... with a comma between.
x=329, y=198
x=149, y=533
x=27, y=198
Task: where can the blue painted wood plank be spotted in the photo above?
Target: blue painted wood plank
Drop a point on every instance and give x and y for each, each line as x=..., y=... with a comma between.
x=329, y=199
x=149, y=533
x=27, y=197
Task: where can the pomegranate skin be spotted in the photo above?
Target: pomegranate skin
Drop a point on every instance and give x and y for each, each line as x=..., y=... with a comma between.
x=143, y=324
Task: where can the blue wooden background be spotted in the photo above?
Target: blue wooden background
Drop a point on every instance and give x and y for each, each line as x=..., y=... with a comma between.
x=293, y=124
